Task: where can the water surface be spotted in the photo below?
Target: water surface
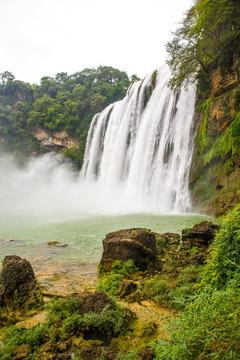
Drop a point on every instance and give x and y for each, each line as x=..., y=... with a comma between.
x=27, y=235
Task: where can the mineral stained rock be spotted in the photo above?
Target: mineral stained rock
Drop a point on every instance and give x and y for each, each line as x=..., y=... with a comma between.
x=200, y=234
x=18, y=286
x=135, y=244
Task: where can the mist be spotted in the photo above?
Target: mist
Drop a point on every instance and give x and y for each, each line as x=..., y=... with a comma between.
x=48, y=185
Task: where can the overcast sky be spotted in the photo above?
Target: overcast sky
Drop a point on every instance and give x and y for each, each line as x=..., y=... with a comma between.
x=44, y=37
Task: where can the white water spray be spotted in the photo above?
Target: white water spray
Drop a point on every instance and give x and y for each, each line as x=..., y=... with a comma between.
x=142, y=146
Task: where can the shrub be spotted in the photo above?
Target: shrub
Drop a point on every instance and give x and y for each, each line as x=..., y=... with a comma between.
x=190, y=274
x=15, y=336
x=62, y=308
x=208, y=329
x=228, y=143
x=174, y=296
x=132, y=355
x=155, y=288
x=223, y=264
x=108, y=282
x=65, y=319
x=124, y=267
x=110, y=322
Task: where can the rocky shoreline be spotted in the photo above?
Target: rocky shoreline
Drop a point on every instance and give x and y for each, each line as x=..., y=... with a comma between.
x=121, y=308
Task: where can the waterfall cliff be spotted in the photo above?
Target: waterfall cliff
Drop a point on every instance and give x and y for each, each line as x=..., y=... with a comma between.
x=142, y=145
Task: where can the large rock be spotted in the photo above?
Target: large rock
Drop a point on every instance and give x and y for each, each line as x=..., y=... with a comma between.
x=58, y=139
x=200, y=234
x=94, y=302
x=135, y=244
x=18, y=286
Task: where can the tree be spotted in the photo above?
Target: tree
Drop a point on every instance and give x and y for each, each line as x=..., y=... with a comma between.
x=79, y=92
x=66, y=102
x=134, y=78
x=62, y=78
x=208, y=37
x=6, y=76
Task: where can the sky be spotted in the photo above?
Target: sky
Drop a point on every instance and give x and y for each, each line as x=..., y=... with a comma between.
x=43, y=37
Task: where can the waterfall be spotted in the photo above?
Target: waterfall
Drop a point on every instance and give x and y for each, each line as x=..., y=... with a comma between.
x=141, y=146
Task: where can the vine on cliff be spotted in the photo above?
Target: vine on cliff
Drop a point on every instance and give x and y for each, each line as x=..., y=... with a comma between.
x=228, y=143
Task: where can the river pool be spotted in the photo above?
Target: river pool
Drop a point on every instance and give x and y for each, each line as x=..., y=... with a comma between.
x=27, y=235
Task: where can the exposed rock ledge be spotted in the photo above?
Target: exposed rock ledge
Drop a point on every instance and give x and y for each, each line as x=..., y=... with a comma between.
x=54, y=139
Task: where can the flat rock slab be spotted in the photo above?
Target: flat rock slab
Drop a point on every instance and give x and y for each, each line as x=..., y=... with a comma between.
x=58, y=279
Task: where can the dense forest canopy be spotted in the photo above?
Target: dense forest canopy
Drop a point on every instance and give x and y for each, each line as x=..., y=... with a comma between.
x=66, y=102
x=209, y=36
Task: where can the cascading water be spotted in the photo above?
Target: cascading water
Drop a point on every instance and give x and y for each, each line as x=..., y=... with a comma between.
x=141, y=146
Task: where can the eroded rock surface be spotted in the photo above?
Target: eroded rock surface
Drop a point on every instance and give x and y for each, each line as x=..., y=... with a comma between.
x=18, y=287
x=170, y=238
x=200, y=234
x=50, y=139
x=94, y=302
x=135, y=244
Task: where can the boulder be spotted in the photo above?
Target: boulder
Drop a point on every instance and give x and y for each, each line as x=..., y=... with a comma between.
x=18, y=287
x=200, y=234
x=94, y=302
x=135, y=244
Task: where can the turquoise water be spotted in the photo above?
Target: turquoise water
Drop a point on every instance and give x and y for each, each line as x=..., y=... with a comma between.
x=83, y=235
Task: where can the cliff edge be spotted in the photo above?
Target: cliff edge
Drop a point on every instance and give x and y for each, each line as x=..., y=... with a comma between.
x=215, y=170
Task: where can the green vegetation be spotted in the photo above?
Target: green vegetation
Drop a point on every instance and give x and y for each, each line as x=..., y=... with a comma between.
x=207, y=329
x=209, y=36
x=206, y=296
x=65, y=319
x=132, y=355
x=154, y=78
x=223, y=265
x=108, y=282
x=66, y=102
x=172, y=294
x=228, y=143
x=205, y=51
x=203, y=140
x=172, y=286
x=15, y=336
x=209, y=326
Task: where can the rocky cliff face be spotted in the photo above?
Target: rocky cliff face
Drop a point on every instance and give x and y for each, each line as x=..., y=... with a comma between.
x=57, y=140
x=215, y=172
